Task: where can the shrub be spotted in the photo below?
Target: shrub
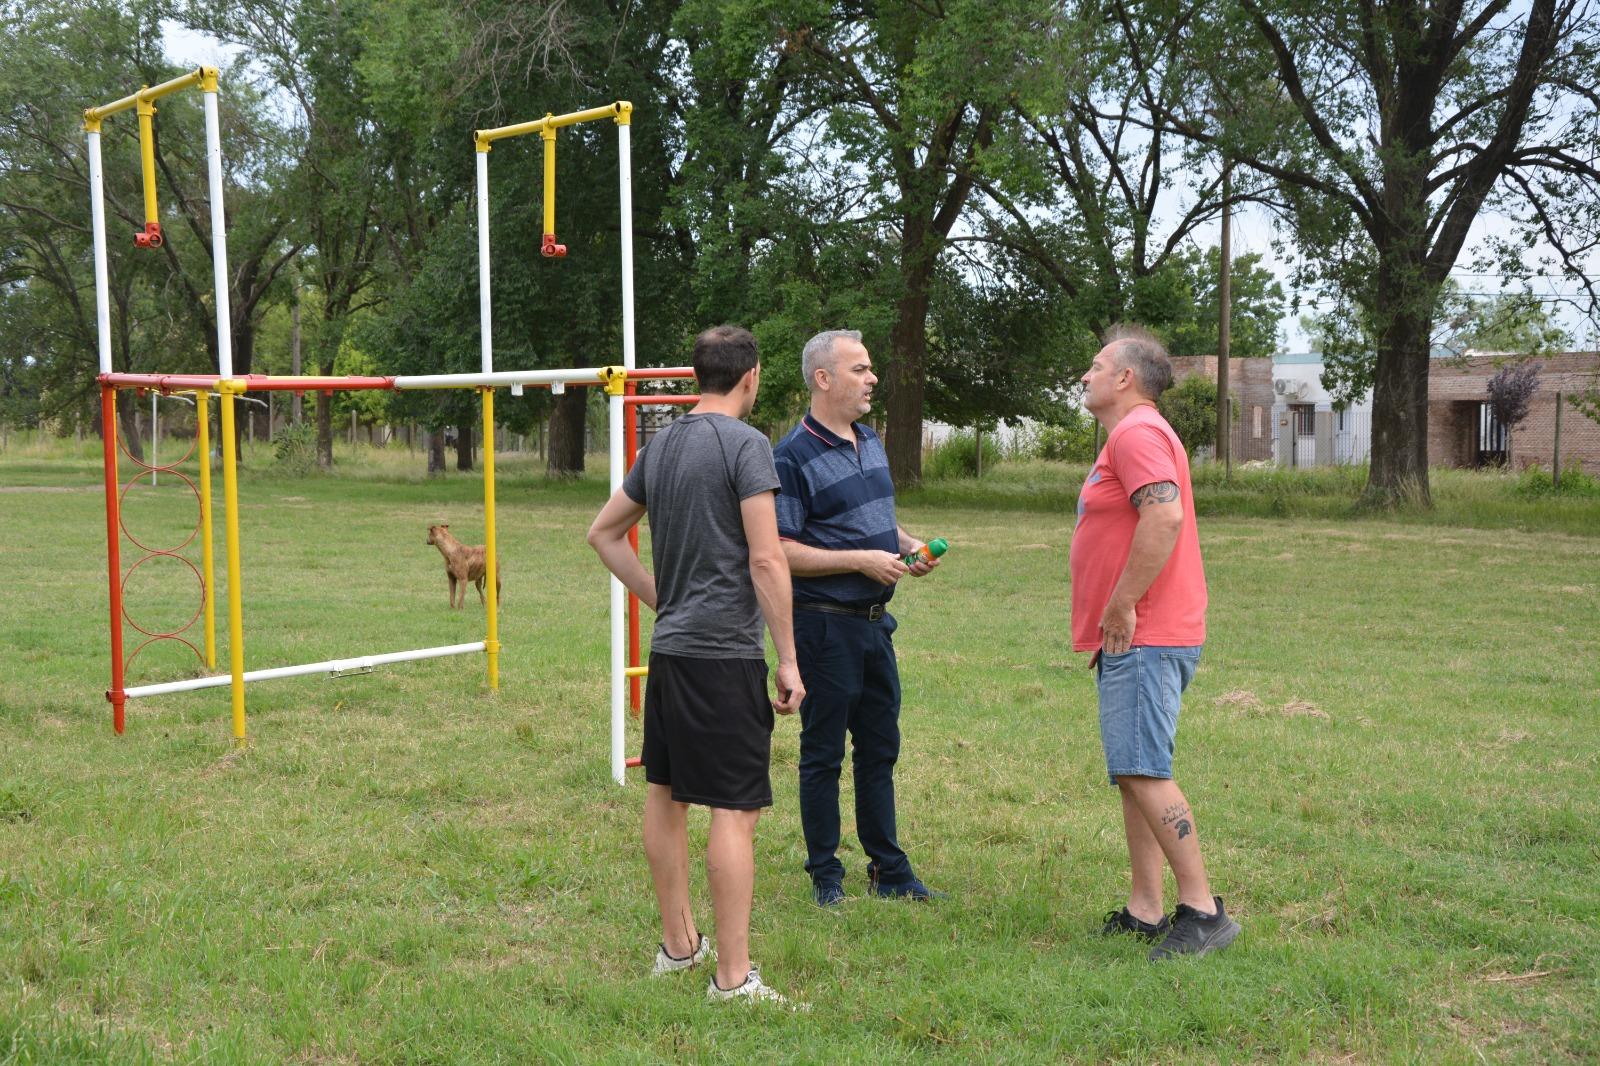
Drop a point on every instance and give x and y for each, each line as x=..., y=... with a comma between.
x=294, y=450
x=954, y=458
x=1536, y=482
x=1067, y=442
x=1190, y=408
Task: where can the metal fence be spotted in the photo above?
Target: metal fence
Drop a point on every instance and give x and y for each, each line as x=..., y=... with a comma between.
x=1296, y=435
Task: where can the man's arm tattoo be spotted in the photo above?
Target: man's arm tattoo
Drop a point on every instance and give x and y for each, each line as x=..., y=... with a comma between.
x=1177, y=816
x=1159, y=492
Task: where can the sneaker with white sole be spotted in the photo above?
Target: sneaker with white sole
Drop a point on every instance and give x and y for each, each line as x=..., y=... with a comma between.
x=670, y=964
x=751, y=991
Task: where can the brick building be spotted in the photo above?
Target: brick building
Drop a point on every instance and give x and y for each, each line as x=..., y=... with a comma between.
x=1250, y=385
x=1284, y=414
x=1462, y=432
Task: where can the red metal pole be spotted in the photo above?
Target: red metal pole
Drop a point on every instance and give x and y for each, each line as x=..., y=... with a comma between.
x=630, y=451
x=108, y=423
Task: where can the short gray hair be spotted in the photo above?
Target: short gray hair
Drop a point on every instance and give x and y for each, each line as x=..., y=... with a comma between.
x=1138, y=350
x=818, y=353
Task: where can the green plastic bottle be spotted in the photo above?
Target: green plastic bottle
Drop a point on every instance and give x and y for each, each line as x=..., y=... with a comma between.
x=928, y=552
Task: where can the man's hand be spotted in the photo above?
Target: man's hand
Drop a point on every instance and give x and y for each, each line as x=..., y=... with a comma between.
x=922, y=566
x=790, y=689
x=885, y=568
x=1116, y=628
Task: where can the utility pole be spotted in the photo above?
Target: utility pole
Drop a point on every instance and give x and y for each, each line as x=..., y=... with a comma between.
x=1224, y=315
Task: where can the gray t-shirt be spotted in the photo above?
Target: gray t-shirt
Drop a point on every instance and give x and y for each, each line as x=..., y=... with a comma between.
x=691, y=479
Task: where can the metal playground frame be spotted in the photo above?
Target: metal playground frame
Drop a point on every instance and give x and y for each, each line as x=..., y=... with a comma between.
x=618, y=381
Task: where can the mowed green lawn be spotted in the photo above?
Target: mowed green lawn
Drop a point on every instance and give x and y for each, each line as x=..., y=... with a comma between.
x=1392, y=747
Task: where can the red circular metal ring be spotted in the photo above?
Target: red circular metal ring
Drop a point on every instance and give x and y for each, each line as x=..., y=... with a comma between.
x=173, y=633
x=128, y=662
x=122, y=515
x=122, y=443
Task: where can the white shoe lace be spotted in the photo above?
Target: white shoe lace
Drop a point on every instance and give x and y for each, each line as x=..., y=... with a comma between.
x=753, y=990
x=666, y=964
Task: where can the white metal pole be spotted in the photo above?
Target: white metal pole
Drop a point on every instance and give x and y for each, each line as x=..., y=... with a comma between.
x=154, y=434
x=624, y=167
x=333, y=667
x=485, y=322
x=219, y=237
x=618, y=610
x=102, y=286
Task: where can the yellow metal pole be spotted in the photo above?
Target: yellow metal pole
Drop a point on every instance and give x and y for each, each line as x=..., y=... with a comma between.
x=198, y=76
x=230, y=512
x=202, y=406
x=150, y=236
x=549, y=247
x=593, y=114
x=491, y=563
x=147, y=157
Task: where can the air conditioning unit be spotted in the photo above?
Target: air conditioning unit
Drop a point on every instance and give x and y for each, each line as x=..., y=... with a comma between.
x=1289, y=388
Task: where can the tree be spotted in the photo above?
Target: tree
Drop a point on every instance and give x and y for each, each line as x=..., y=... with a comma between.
x=1389, y=129
x=911, y=114
x=1510, y=392
x=1517, y=323
x=1086, y=181
x=1347, y=338
x=1256, y=306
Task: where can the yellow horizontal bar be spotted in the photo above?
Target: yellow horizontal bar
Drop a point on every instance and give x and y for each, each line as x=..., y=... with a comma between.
x=636, y=671
x=593, y=114
x=204, y=76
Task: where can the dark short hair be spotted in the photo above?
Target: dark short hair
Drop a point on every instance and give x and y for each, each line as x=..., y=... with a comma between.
x=1142, y=352
x=723, y=355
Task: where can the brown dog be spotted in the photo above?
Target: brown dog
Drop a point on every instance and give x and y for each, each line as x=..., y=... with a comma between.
x=463, y=564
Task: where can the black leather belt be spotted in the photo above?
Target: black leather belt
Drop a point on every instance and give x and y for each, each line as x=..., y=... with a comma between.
x=872, y=614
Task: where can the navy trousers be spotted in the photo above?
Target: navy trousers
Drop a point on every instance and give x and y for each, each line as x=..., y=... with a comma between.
x=852, y=686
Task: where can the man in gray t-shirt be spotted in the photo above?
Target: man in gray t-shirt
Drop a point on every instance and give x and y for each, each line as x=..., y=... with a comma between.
x=707, y=483
x=692, y=478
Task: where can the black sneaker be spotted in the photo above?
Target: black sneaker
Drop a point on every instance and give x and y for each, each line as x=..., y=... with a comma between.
x=1194, y=933
x=913, y=889
x=1118, y=922
x=827, y=893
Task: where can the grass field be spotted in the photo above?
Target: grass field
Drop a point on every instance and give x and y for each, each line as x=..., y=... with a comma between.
x=1392, y=746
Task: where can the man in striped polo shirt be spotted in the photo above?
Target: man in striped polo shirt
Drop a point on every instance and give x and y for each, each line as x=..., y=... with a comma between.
x=837, y=522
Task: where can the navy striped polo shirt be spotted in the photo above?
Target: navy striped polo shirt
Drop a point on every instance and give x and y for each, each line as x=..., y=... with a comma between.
x=836, y=495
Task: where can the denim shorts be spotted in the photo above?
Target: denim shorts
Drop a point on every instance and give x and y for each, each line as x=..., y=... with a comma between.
x=1140, y=691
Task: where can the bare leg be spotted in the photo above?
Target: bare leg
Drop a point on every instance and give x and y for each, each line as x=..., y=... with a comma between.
x=1144, y=853
x=1172, y=824
x=666, y=845
x=731, y=870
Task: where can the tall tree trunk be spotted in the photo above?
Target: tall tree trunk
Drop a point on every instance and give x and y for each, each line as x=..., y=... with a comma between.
x=1399, y=472
x=908, y=365
x=324, y=429
x=566, y=434
x=128, y=425
x=908, y=379
x=464, y=444
x=435, y=449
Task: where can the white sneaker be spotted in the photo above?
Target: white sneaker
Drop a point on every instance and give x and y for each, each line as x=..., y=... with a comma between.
x=667, y=964
x=752, y=991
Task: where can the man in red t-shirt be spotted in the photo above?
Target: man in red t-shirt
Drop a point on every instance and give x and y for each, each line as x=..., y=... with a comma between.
x=1139, y=603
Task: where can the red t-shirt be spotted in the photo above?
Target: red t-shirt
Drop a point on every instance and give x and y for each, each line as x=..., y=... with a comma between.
x=1141, y=451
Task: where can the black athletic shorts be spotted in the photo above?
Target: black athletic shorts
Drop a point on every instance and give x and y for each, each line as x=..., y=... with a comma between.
x=708, y=731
